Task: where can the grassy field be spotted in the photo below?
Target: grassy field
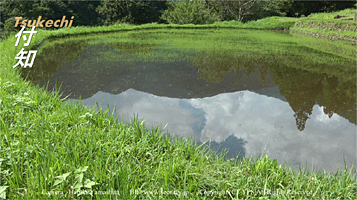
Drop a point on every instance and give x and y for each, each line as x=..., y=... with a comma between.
x=51, y=149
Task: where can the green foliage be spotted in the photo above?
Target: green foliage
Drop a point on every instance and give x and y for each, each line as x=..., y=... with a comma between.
x=3, y=192
x=246, y=10
x=91, y=13
x=327, y=26
x=83, y=11
x=131, y=11
x=263, y=9
x=113, y=11
x=305, y=8
x=189, y=12
x=77, y=182
x=344, y=14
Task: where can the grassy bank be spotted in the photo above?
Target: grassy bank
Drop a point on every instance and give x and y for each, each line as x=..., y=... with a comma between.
x=340, y=26
x=51, y=149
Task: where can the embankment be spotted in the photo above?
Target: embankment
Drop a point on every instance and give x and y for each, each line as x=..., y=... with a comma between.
x=339, y=26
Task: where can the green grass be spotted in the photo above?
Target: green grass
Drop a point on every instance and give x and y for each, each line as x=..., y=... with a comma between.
x=49, y=147
x=347, y=13
x=324, y=25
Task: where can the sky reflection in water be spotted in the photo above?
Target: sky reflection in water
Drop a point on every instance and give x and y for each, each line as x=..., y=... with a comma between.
x=299, y=110
x=259, y=120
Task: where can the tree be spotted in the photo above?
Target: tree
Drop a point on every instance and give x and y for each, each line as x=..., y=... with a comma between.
x=189, y=12
x=83, y=11
x=209, y=11
x=237, y=10
x=131, y=11
x=299, y=8
x=28, y=10
x=246, y=10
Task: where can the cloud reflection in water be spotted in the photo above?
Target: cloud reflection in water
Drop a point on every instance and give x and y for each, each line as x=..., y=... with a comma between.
x=259, y=120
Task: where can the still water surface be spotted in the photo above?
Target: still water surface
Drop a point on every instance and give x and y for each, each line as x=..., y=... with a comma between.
x=249, y=103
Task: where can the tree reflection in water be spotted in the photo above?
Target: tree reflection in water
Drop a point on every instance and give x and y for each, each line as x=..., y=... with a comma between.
x=301, y=88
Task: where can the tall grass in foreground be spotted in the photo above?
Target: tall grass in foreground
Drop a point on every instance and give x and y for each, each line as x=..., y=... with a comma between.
x=57, y=150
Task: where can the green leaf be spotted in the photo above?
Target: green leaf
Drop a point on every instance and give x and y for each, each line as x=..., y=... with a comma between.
x=57, y=182
x=81, y=169
x=127, y=150
x=61, y=178
x=77, y=186
x=88, y=183
x=275, y=163
x=3, y=192
x=79, y=177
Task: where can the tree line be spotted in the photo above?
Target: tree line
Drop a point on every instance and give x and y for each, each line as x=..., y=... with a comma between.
x=105, y=12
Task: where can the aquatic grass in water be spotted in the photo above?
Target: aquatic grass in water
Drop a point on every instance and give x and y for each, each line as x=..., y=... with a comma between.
x=153, y=46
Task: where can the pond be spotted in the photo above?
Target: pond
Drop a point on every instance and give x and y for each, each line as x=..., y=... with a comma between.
x=247, y=92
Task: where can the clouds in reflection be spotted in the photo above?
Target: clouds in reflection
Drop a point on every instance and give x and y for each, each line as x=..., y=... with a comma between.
x=262, y=122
